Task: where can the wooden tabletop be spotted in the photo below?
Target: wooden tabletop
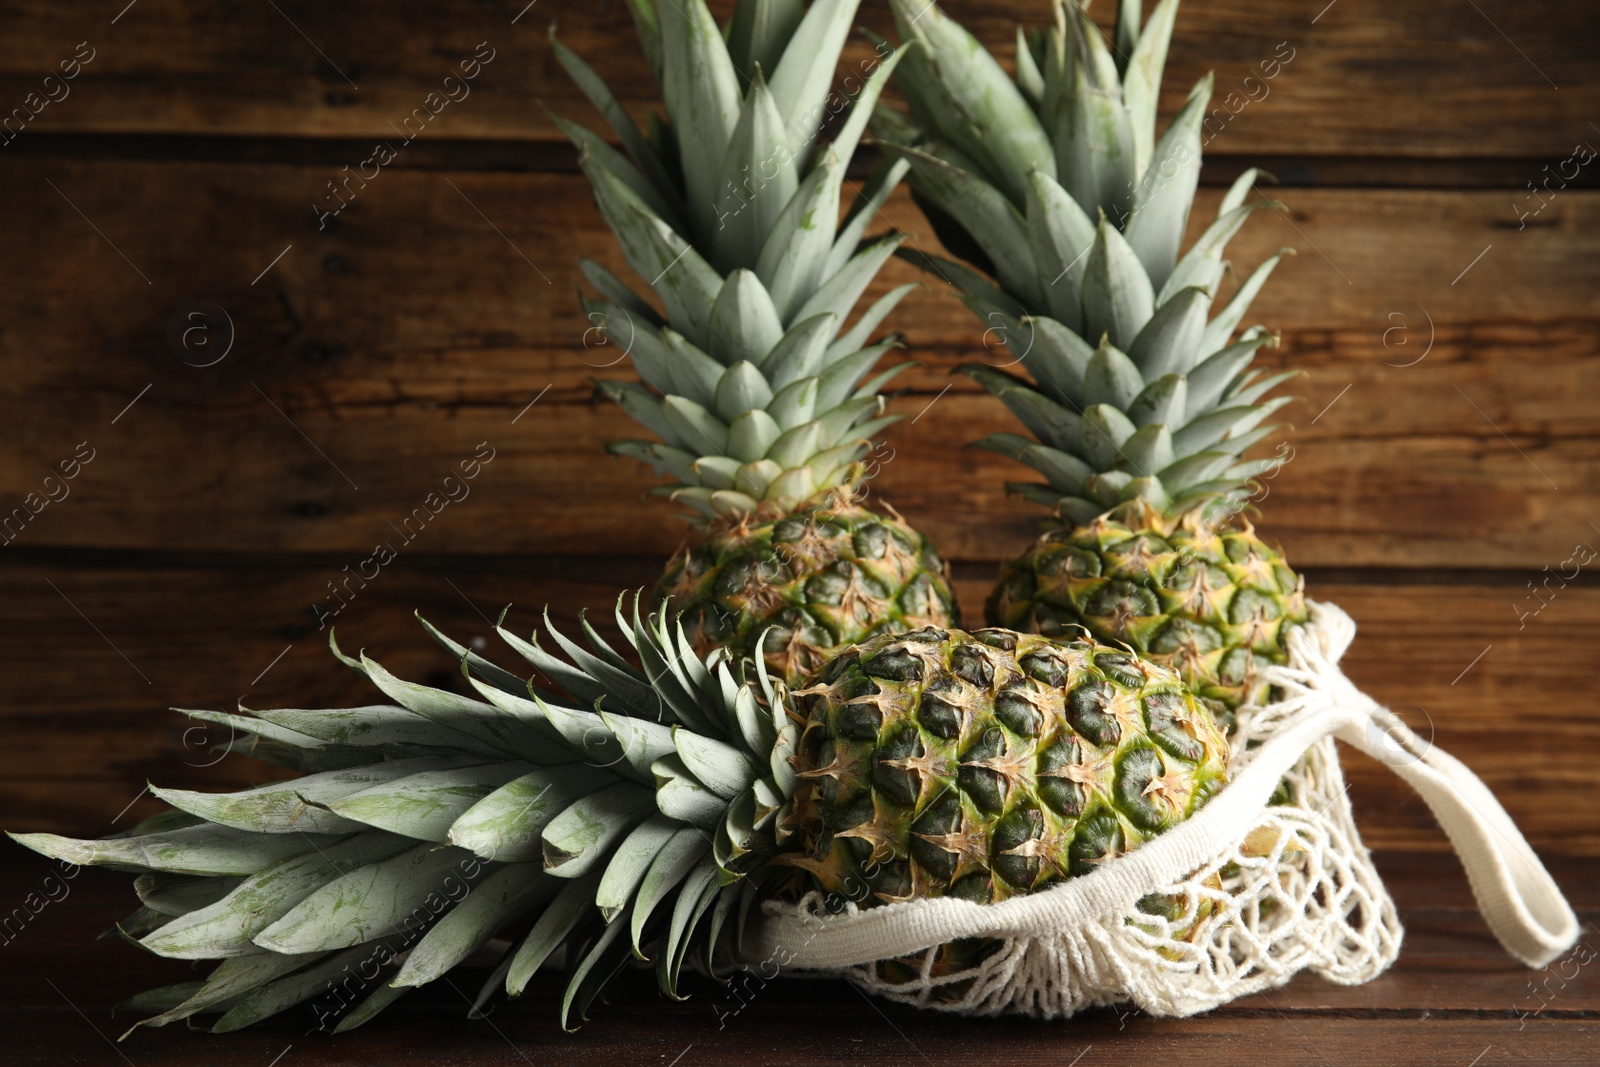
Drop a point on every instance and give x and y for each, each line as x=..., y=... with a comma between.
x=1453, y=999
x=1444, y=304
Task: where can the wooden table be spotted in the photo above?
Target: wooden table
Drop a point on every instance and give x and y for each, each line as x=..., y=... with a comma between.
x=1453, y=999
x=1446, y=313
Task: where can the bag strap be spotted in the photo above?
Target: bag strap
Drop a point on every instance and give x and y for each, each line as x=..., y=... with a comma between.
x=1514, y=891
x=1517, y=896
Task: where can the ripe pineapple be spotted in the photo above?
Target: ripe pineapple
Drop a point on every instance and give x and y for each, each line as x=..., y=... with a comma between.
x=929, y=763
x=991, y=764
x=748, y=378
x=1140, y=407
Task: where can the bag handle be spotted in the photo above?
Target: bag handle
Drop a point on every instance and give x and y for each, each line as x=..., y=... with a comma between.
x=1515, y=893
x=1517, y=896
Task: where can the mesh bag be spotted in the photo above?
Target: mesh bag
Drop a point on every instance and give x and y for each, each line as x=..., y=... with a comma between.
x=1268, y=879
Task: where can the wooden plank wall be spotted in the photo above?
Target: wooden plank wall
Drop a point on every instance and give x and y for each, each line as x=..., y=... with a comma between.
x=1445, y=316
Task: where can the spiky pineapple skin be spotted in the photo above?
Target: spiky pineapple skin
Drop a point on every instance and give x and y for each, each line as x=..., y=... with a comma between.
x=1211, y=601
x=991, y=764
x=817, y=580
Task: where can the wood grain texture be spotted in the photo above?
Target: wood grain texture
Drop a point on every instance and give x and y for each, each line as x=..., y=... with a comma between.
x=1452, y=995
x=1366, y=77
x=1446, y=452
x=378, y=353
x=153, y=637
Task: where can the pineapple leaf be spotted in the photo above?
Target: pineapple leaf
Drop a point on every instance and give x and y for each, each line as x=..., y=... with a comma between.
x=760, y=173
x=751, y=434
x=694, y=897
x=631, y=862
x=484, y=722
x=505, y=824
x=741, y=388
x=1202, y=264
x=503, y=680
x=508, y=893
x=1117, y=296
x=792, y=407
x=1211, y=378
x=722, y=768
x=838, y=295
x=1061, y=236
x=1149, y=449
x=618, y=294
x=424, y=805
x=1030, y=82
x=1193, y=469
x=597, y=153
x=1164, y=401
x=562, y=918
x=974, y=286
x=695, y=426
x=1104, y=430
x=853, y=342
x=799, y=354
x=701, y=92
x=672, y=862
x=295, y=805
x=228, y=927
x=1220, y=328
x=1111, y=378
x=1056, y=356
x=744, y=322
x=204, y=849
x=1166, y=190
x=1170, y=342
x=685, y=282
x=986, y=215
x=1094, y=150
x=1141, y=81
x=978, y=95
x=693, y=374
x=680, y=795
x=645, y=408
x=577, y=840
x=796, y=250
x=861, y=108
x=592, y=87
x=758, y=32
x=803, y=78
x=232, y=979
x=374, y=1003
x=299, y=986
x=373, y=901
x=1051, y=423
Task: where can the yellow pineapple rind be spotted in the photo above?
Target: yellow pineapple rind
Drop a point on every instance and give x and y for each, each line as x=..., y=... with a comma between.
x=1214, y=602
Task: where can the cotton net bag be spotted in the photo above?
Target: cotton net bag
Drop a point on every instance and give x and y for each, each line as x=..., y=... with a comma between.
x=1268, y=879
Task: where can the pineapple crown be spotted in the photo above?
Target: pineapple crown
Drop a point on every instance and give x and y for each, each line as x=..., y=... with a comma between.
x=428, y=825
x=1055, y=185
x=731, y=208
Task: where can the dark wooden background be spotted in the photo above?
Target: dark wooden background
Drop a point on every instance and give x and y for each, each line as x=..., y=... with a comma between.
x=1445, y=316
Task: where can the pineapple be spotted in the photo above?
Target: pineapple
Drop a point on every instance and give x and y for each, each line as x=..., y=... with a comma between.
x=991, y=764
x=923, y=764
x=1141, y=402
x=748, y=379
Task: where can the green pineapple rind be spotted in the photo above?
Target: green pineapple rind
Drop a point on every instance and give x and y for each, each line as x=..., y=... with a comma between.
x=986, y=765
x=799, y=589
x=1213, y=603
